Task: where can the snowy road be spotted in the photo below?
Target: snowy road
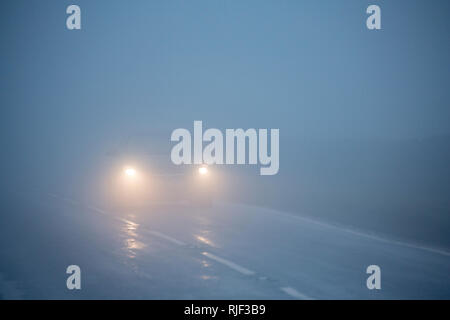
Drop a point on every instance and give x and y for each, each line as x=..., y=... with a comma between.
x=224, y=252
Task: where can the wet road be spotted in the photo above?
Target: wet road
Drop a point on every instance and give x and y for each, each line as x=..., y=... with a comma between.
x=224, y=252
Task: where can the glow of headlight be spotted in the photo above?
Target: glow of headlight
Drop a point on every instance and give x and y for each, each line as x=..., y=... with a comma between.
x=130, y=172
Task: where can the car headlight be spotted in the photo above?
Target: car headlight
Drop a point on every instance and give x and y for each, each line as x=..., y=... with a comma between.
x=203, y=171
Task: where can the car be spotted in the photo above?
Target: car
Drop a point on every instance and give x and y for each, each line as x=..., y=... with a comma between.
x=140, y=173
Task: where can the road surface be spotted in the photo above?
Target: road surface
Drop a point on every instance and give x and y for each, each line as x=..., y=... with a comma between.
x=228, y=251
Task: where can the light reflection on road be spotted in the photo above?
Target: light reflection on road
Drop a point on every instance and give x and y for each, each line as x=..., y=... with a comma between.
x=132, y=244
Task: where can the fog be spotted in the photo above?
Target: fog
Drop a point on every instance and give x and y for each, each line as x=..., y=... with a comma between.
x=363, y=116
